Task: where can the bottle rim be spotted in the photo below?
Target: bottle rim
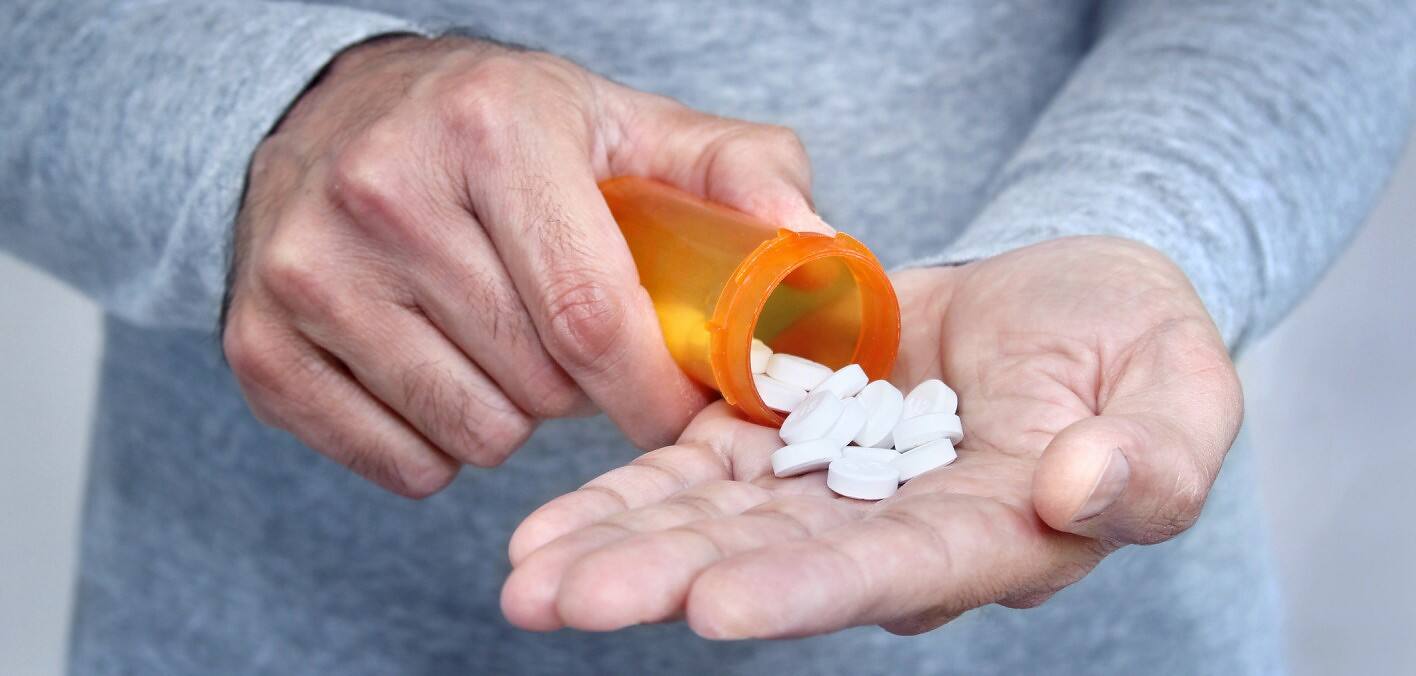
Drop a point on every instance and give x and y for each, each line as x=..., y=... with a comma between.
x=745, y=295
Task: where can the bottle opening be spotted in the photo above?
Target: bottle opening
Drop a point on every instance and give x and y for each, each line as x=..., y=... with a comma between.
x=815, y=296
x=814, y=312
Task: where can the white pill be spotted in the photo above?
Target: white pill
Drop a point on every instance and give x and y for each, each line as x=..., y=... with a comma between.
x=805, y=457
x=917, y=461
x=922, y=429
x=931, y=396
x=759, y=355
x=796, y=371
x=851, y=420
x=883, y=404
x=777, y=394
x=862, y=479
x=883, y=455
x=813, y=418
x=845, y=382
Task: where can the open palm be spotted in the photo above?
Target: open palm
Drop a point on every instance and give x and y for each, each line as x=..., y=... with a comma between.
x=1098, y=401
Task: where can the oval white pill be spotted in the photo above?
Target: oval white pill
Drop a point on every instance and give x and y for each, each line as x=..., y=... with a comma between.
x=844, y=383
x=862, y=479
x=805, y=457
x=931, y=396
x=883, y=404
x=759, y=355
x=917, y=461
x=796, y=371
x=882, y=455
x=777, y=394
x=849, y=424
x=813, y=418
x=922, y=429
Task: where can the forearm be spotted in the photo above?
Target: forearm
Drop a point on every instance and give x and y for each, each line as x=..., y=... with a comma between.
x=131, y=128
x=1245, y=140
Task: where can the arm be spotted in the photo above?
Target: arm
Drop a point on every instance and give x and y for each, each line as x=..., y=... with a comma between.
x=1245, y=140
x=423, y=267
x=129, y=129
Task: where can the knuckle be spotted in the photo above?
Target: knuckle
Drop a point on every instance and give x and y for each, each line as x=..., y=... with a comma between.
x=298, y=278
x=273, y=153
x=416, y=477
x=552, y=395
x=286, y=267
x=364, y=177
x=586, y=318
x=460, y=421
x=478, y=102
x=1177, y=514
x=784, y=140
x=421, y=478
x=250, y=351
x=498, y=308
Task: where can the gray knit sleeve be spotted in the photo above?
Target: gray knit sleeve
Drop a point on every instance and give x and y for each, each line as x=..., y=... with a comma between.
x=128, y=130
x=1247, y=140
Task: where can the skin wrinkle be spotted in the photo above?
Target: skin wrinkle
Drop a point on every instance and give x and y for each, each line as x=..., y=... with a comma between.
x=609, y=492
x=775, y=510
x=860, y=574
x=719, y=446
x=675, y=475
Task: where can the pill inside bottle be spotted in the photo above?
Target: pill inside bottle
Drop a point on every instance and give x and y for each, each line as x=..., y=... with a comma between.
x=719, y=278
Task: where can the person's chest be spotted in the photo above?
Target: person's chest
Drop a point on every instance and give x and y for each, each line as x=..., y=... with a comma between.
x=907, y=108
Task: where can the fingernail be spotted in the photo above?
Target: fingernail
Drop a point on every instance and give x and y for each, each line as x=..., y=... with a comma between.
x=1109, y=487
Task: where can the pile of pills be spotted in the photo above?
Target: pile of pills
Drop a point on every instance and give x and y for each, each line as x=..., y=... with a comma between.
x=868, y=436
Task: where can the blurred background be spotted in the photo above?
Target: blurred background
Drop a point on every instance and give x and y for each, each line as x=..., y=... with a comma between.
x=1331, y=410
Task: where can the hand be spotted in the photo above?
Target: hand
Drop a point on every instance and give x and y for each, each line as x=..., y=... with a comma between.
x=1098, y=401
x=425, y=267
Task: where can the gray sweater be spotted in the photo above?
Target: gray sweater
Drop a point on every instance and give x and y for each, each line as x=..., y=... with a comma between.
x=1245, y=139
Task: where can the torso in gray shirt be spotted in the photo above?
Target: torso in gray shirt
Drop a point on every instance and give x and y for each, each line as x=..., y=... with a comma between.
x=214, y=545
x=217, y=546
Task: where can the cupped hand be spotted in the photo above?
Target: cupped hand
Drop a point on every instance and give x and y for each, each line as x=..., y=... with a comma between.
x=1098, y=402
x=425, y=266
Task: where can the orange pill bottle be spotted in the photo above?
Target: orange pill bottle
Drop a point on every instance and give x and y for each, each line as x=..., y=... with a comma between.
x=718, y=278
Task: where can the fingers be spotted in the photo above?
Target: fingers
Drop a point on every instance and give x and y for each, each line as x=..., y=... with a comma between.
x=530, y=595
x=426, y=380
x=736, y=565
x=468, y=294
x=910, y=566
x=760, y=169
x=652, y=477
x=291, y=384
x=717, y=445
x=569, y=262
x=1140, y=471
x=646, y=577
x=405, y=208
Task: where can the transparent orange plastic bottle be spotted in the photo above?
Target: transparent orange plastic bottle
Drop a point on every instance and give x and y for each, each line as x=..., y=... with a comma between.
x=719, y=277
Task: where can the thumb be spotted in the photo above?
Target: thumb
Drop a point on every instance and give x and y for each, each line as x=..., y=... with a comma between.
x=759, y=169
x=1139, y=472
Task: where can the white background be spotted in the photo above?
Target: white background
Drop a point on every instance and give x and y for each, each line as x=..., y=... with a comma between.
x=1331, y=407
